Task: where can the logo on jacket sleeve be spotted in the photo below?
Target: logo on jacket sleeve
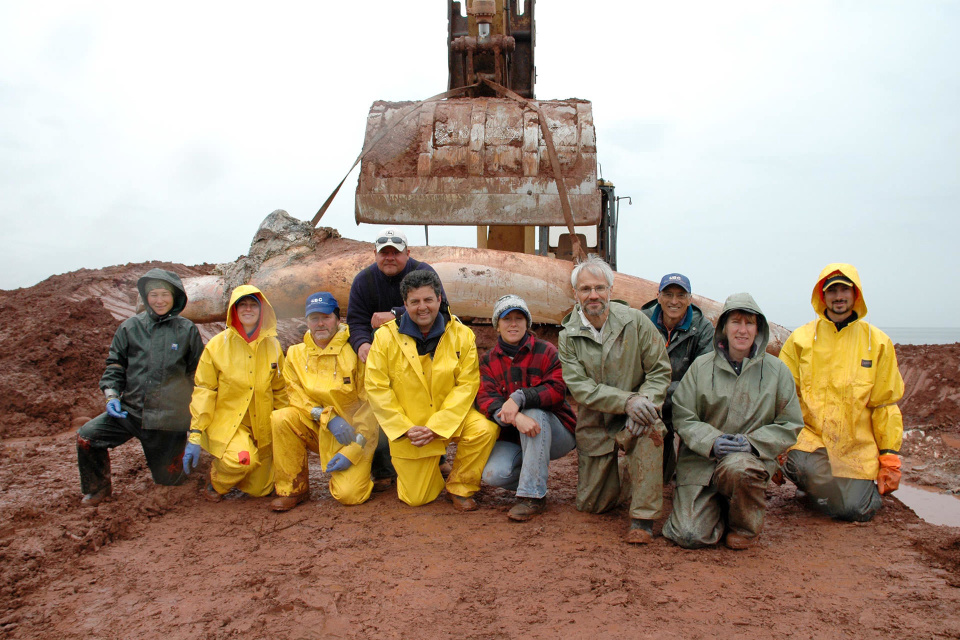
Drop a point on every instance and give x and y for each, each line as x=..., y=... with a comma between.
x=866, y=364
x=174, y=347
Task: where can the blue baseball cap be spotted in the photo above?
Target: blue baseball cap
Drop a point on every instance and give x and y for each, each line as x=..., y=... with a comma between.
x=677, y=279
x=321, y=302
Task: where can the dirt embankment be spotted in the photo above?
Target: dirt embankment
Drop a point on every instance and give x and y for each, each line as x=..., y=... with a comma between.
x=159, y=562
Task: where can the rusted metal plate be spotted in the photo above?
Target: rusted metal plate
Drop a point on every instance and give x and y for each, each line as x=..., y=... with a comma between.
x=477, y=161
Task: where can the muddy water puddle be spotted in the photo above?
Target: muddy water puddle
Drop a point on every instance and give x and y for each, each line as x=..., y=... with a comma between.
x=931, y=505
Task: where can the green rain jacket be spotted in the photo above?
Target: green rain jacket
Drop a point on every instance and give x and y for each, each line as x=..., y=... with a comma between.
x=712, y=399
x=602, y=376
x=152, y=361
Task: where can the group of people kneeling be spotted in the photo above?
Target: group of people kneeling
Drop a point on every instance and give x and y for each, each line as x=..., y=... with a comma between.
x=637, y=376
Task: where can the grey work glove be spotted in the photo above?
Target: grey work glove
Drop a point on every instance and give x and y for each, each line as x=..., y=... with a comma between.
x=316, y=412
x=641, y=410
x=730, y=443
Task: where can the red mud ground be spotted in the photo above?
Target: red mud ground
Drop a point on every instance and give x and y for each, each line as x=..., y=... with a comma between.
x=160, y=562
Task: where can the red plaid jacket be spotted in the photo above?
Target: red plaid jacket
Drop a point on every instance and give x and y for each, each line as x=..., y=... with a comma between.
x=536, y=369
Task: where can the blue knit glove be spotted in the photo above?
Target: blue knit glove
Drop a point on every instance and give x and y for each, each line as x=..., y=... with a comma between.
x=338, y=462
x=114, y=410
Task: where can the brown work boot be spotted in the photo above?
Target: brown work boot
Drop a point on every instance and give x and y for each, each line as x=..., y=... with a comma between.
x=211, y=494
x=461, y=503
x=285, y=503
x=95, y=498
x=739, y=542
x=526, y=508
x=640, y=532
x=382, y=484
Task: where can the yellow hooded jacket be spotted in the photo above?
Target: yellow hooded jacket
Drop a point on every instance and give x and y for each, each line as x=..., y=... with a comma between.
x=849, y=386
x=403, y=397
x=331, y=378
x=235, y=377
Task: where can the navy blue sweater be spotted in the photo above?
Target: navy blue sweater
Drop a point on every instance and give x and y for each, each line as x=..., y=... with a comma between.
x=373, y=291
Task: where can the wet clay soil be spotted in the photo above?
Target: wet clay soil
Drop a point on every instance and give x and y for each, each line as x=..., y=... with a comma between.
x=160, y=562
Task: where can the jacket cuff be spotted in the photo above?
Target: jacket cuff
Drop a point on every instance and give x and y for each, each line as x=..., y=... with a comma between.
x=194, y=437
x=352, y=452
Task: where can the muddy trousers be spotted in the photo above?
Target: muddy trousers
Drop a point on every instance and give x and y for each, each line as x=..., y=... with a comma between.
x=419, y=480
x=293, y=438
x=163, y=450
x=598, y=477
x=243, y=466
x=736, y=494
x=850, y=499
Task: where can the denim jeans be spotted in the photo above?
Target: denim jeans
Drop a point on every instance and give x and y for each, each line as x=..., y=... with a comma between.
x=523, y=468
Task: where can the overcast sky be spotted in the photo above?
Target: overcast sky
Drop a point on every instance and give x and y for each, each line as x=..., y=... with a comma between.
x=759, y=141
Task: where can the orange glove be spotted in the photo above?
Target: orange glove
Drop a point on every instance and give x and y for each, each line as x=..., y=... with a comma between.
x=889, y=477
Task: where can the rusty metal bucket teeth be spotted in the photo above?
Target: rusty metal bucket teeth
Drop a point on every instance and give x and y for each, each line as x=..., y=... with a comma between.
x=477, y=161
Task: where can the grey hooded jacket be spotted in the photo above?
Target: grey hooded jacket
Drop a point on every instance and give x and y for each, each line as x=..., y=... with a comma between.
x=152, y=361
x=712, y=399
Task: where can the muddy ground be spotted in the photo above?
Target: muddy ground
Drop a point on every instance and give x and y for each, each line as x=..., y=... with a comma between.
x=160, y=562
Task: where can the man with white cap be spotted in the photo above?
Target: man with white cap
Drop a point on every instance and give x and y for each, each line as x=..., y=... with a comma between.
x=328, y=412
x=688, y=335
x=374, y=300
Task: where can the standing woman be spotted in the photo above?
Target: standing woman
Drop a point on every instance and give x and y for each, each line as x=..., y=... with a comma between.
x=238, y=385
x=522, y=389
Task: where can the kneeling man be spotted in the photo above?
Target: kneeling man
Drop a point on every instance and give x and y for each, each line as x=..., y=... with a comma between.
x=328, y=412
x=735, y=410
x=422, y=376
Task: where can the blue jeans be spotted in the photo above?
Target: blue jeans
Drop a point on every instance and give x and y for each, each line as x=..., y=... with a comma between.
x=523, y=467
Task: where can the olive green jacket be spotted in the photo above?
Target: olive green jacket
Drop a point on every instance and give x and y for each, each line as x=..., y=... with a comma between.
x=601, y=377
x=712, y=399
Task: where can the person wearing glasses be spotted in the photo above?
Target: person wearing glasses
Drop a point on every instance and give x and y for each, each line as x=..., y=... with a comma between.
x=375, y=300
x=688, y=335
x=616, y=367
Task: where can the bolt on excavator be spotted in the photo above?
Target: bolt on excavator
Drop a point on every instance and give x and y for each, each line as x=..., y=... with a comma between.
x=487, y=153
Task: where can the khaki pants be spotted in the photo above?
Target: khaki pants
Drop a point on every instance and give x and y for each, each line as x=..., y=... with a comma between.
x=736, y=493
x=598, y=477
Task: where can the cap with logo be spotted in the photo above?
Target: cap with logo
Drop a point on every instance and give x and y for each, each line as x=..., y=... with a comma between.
x=391, y=238
x=675, y=278
x=321, y=302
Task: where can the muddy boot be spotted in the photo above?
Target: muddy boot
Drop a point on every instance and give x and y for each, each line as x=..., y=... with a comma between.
x=382, y=484
x=739, y=542
x=461, y=503
x=445, y=467
x=526, y=508
x=211, y=494
x=640, y=532
x=285, y=503
x=95, y=498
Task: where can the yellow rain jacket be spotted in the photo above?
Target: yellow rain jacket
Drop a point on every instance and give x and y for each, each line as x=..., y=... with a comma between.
x=235, y=377
x=331, y=378
x=402, y=396
x=849, y=386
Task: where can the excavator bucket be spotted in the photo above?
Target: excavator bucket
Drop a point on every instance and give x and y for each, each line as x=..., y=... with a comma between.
x=477, y=161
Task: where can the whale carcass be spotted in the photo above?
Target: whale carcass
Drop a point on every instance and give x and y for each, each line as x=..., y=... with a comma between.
x=289, y=259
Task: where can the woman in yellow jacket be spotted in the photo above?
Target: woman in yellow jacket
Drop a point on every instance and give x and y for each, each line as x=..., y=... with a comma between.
x=239, y=383
x=328, y=412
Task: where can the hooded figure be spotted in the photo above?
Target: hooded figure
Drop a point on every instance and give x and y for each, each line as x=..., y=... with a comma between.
x=239, y=383
x=849, y=384
x=147, y=385
x=735, y=411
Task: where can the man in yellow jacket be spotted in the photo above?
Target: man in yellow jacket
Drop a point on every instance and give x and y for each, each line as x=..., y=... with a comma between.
x=239, y=383
x=422, y=376
x=849, y=385
x=328, y=412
